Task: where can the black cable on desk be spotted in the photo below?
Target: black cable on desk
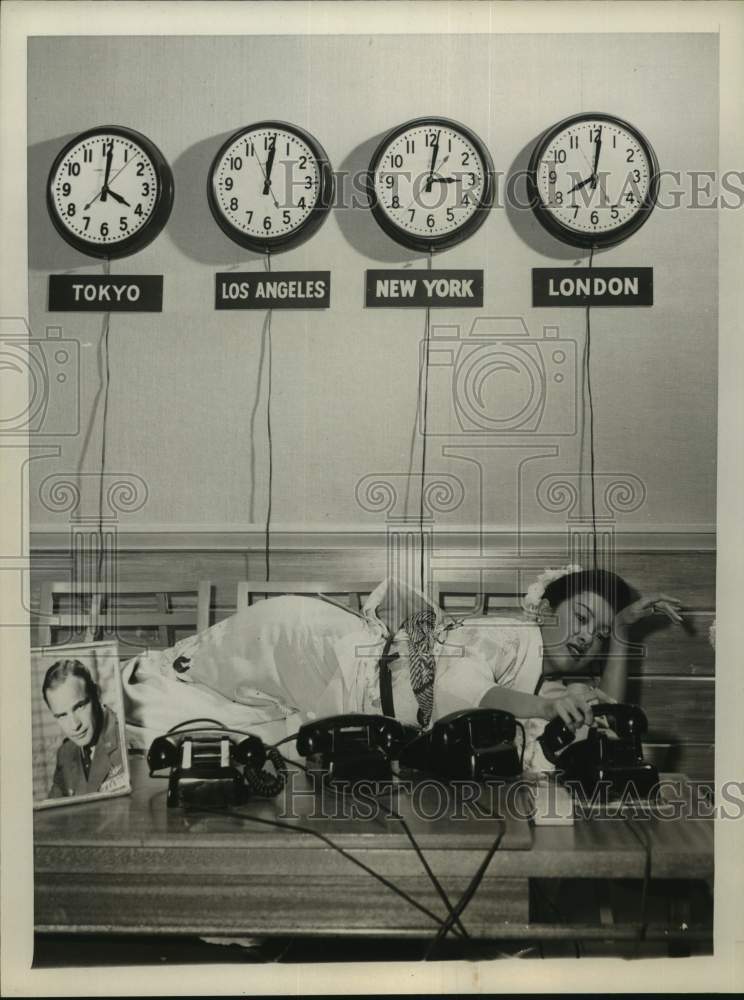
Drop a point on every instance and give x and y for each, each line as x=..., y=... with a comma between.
x=645, y=844
x=465, y=898
x=419, y=853
x=277, y=824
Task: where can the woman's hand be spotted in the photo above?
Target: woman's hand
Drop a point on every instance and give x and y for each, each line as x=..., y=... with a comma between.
x=646, y=605
x=575, y=705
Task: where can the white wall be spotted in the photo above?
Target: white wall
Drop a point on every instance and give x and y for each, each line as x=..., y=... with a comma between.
x=184, y=382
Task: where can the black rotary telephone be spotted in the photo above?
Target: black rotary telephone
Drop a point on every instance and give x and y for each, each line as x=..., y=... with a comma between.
x=354, y=746
x=470, y=745
x=610, y=764
x=217, y=754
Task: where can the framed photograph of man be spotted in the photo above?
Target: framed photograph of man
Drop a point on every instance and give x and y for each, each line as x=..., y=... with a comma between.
x=78, y=736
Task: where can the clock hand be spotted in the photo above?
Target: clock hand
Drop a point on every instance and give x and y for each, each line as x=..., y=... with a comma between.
x=269, y=165
x=271, y=192
x=109, y=156
x=434, y=152
x=443, y=180
x=581, y=184
x=597, y=150
x=118, y=197
x=86, y=207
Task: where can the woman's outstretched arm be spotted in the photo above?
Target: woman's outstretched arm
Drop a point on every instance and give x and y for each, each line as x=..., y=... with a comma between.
x=615, y=673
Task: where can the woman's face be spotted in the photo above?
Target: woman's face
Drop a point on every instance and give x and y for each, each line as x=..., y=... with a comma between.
x=573, y=635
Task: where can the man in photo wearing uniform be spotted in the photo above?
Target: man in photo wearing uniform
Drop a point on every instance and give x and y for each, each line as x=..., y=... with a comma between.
x=89, y=759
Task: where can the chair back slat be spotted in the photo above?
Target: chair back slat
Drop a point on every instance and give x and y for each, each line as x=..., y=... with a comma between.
x=355, y=592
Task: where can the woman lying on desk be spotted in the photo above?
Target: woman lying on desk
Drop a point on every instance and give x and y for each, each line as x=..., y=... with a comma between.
x=309, y=658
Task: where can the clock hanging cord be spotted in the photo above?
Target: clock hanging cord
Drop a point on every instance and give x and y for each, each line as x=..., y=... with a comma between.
x=267, y=535
x=424, y=378
x=587, y=376
x=104, y=428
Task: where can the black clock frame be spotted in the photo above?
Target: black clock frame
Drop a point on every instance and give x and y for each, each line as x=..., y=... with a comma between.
x=590, y=241
x=161, y=211
x=445, y=241
x=269, y=244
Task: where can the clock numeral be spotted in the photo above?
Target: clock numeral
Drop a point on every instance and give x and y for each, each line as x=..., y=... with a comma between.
x=573, y=142
x=104, y=229
x=267, y=222
x=396, y=160
x=301, y=203
x=465, y=200
x=73, y=169
x=268, y=140
x=87, y=156
x=560, y=156
x=233, y=204
x=287, y=152
x=140, y=169
x=236, y=162
x=86, y=220
x=71, y=209
x=594, y=218
x=559, y=197
x=228, y=183
x=465, y=159
x=614, y=142
x=576, y=211
x=389, y=181
x=250, y=149
x=431, y=138
x=552, y=176
x=106, y=146
x=145, y=189
x=450, y=215
x=286, y=217
x=126, y=155
x=430, y=221
x=303, y=161
x=595, y=134
x=630, y=157
x=66, y=188
x=249, y=213
x=410, y=146
x=395, y=202
x=122, y=223
x=636, y=175
x=308, y=182
x=138, y=209
x=614, y=214
x=472, y=180
x=629, y=197
x=413, y=213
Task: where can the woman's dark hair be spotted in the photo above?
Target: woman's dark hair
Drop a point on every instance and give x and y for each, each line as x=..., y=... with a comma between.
x=59, y=672
x=611, y=587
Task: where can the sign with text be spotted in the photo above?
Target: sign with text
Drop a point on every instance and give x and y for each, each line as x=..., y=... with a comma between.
x=105, y=293
x=592, y=286
x=280, y=290
x=424, y=288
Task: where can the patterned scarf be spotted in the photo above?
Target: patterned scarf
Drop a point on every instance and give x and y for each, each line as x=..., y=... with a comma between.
x=420, y=631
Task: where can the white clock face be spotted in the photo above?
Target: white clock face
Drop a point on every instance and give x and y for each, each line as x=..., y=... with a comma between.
x=594, y=176
x=430, y=180
x=105, y=189
x=266, y=183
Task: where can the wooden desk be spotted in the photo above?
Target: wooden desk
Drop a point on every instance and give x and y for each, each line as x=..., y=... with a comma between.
x=129, y=865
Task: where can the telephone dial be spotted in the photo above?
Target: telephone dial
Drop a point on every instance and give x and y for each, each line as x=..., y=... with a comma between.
x=608, y=760
x=354, y=746
x=470, y=745
x=217, y=754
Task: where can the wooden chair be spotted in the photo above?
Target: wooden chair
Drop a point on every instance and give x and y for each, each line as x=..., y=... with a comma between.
x=352, y=593
x=90, y=612
x=497, y=593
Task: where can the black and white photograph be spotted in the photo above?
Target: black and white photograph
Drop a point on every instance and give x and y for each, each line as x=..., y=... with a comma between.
x=78, y=724
x=370, y=415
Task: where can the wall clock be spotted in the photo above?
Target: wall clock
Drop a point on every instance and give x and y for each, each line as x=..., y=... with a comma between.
x=593, y=180
x=110, y=192
x=270, y=186
x=430, y=183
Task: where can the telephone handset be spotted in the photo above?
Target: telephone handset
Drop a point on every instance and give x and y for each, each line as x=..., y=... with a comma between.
x=217, y=754
x=354, y=745
x=471, y=745
x=608, y=760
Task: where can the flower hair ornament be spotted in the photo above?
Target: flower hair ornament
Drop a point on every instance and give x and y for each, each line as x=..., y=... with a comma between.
x=534, y=603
